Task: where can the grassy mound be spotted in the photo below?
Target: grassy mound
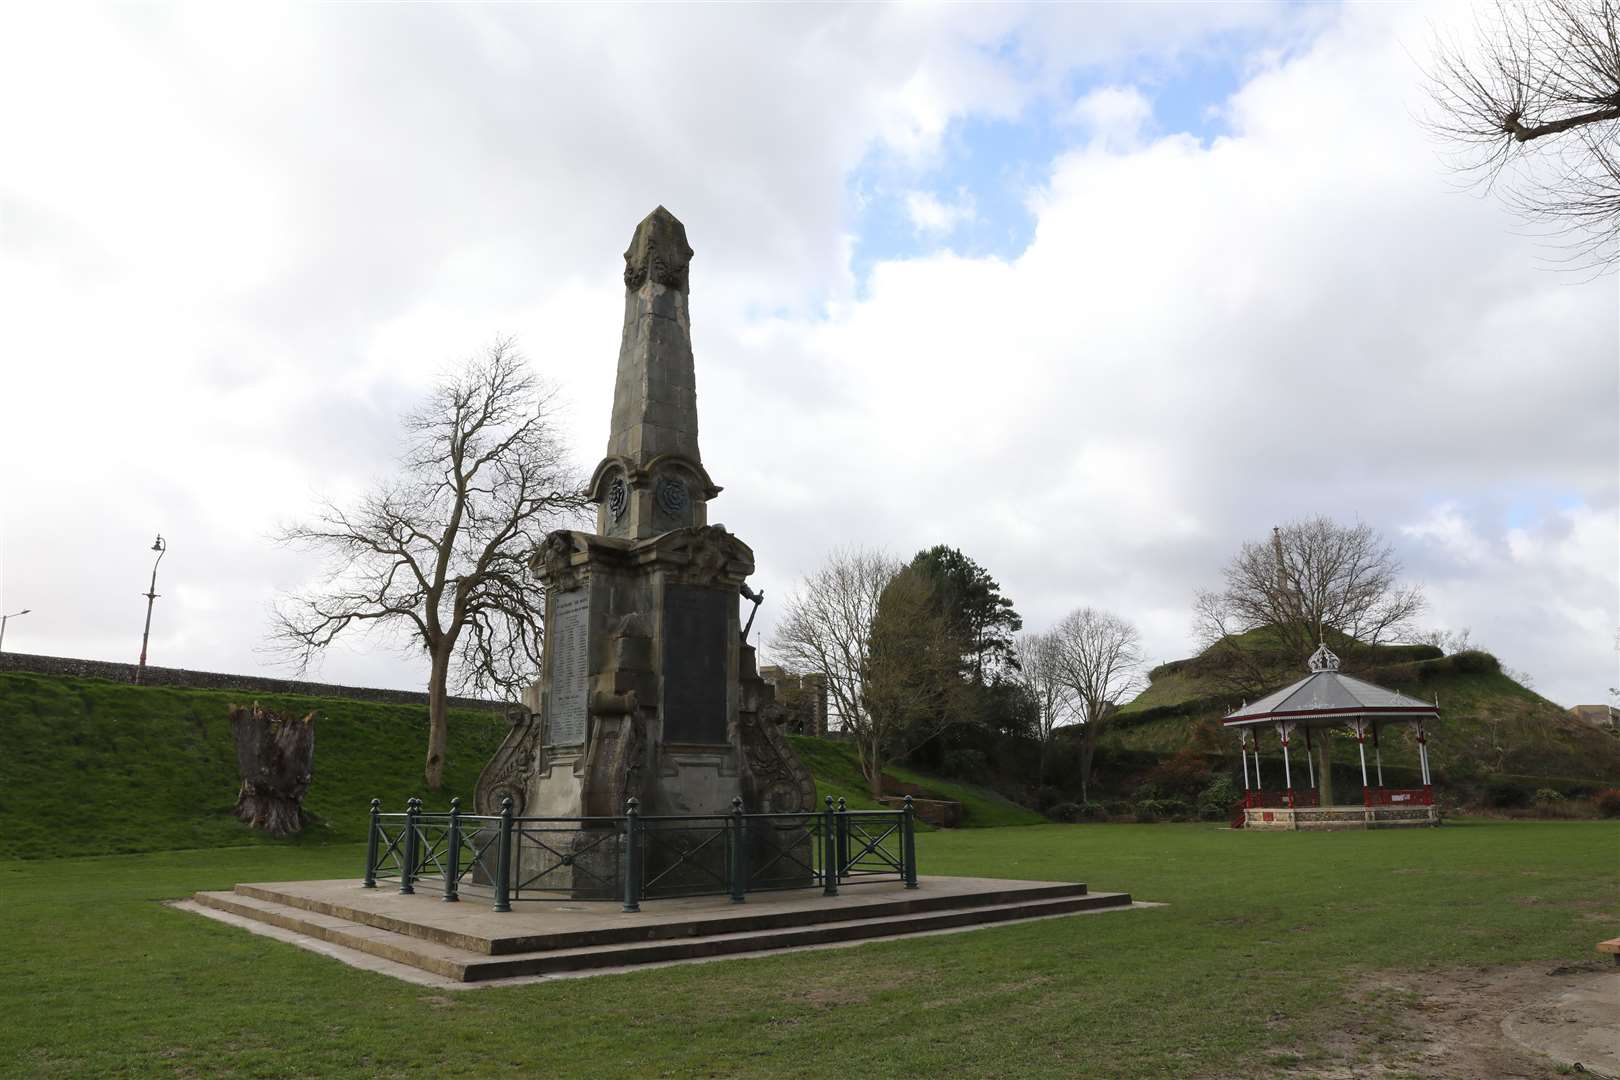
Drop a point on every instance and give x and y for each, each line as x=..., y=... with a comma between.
x=837, y=772
x=1490, y=725
x=97, y=767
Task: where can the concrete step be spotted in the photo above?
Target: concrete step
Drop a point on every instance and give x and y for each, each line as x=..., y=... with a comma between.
x=441, y=959
x=736, y=920
x=730, y=944
x=465, y=965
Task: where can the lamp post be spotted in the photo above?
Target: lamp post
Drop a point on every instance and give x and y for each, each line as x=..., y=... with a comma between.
x=151, y=594
x=7, y=618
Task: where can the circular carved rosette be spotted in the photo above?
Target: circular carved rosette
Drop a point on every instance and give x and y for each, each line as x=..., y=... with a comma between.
x=672, y=495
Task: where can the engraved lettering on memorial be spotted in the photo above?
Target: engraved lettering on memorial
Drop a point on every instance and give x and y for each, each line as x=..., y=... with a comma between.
x=570, y=664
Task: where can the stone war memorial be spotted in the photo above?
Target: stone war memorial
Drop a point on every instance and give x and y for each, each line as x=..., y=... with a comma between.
x=645, y=805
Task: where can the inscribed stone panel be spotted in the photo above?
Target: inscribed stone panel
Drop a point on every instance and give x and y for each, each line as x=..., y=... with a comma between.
x=570, y=668
x=695, y=651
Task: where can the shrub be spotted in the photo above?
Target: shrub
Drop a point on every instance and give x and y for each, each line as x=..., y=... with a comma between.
x=1145, y=816
x=1608, y=802
x=1072, y=812
x=964, y=764
x=1159, y=809
x=1118, y=808
x=1183, y=776
x=1504, y=795
x=1215, y=802
x=1048, y=797
x=1548, y=795
x=1474, y=662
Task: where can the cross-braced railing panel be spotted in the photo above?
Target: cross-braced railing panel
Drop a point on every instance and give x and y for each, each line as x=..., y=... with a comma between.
x=571, y=857
x=685, y=856
x=870, y=846
x=783, y=851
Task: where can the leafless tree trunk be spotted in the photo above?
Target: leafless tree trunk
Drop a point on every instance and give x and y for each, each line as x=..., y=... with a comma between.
x=442, y=550
x=275, y=757
x=1099, y=656
x=1535, y=100
x=1311, y=576
x=1038, y=657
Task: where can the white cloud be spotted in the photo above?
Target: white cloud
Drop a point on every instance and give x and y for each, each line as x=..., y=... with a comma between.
x=1114, y=115
x=931, y=215
x=241, y=245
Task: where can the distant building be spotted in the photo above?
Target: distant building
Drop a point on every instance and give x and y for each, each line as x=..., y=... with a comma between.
x=804, y=697
x=1602, y=717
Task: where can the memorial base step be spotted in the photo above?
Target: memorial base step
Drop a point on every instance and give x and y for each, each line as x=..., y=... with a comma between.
x=467, y=942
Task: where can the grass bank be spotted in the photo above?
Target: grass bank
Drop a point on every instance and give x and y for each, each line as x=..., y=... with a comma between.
x=96, y=766
x=838, y=773
x=1254, y=962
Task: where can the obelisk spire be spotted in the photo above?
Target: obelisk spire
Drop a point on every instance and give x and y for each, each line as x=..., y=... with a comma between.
x=652, y=478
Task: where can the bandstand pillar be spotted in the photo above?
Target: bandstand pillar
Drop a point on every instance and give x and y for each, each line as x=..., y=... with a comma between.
x=1378, y=755
x=1310, y=761
x=1361, y=748
x=1283, y=731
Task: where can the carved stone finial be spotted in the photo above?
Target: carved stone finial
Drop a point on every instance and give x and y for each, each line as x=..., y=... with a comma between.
x=658, y=251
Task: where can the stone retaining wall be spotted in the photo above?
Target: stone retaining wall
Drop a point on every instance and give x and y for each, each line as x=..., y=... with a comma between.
x=213, y=680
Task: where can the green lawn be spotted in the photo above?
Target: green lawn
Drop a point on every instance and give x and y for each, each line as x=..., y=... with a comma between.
x=1257, y=954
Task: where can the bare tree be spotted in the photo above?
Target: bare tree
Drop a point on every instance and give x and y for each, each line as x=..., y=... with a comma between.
x=1037, y=662
x=1098, y=655
x=1535, y=99
x=441, y=550
x=892, y=666
x=1312, y=576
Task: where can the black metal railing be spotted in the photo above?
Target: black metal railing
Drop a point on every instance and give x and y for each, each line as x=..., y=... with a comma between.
x=635, y=857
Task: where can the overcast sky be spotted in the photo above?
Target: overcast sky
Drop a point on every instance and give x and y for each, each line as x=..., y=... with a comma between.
x=1094, y=293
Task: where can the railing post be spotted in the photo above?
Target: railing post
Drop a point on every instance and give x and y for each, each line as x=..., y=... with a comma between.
x=829, y=851
x=503, y=859
x=632, y=855
x=370, y=881
x=452, y=857
x=908, y=844
x=407, y=872
x=843, y=837
x=739, y=851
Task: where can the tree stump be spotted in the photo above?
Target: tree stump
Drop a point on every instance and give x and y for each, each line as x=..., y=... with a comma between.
x=276, y=758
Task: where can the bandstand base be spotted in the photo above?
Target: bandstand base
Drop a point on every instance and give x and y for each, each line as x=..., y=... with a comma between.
x=1327, y=818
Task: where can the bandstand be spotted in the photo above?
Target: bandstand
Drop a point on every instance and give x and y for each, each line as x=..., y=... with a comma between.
x=1322, y=701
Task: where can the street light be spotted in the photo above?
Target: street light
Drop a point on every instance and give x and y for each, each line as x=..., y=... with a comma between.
x=151, y=594
x=7, y=618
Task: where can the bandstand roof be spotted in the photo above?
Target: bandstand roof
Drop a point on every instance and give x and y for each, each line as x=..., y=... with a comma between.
x=1325, y=697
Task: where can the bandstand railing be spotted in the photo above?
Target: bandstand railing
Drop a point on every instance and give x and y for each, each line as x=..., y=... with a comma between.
x=632, y=857
x=1420, y=796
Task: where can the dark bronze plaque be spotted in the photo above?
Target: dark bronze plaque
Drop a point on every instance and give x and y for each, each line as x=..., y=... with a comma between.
x=696, y=641
x=569, y=659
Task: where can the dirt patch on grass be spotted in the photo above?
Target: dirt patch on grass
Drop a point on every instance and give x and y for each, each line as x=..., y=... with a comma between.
x=1450, y=1025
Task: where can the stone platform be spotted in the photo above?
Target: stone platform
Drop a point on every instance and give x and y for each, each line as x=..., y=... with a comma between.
x=1327, y=818
x=468, y=942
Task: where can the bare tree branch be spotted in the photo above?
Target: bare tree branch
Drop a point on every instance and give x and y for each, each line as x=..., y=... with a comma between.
x=1532, y=105
x=442, y=548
